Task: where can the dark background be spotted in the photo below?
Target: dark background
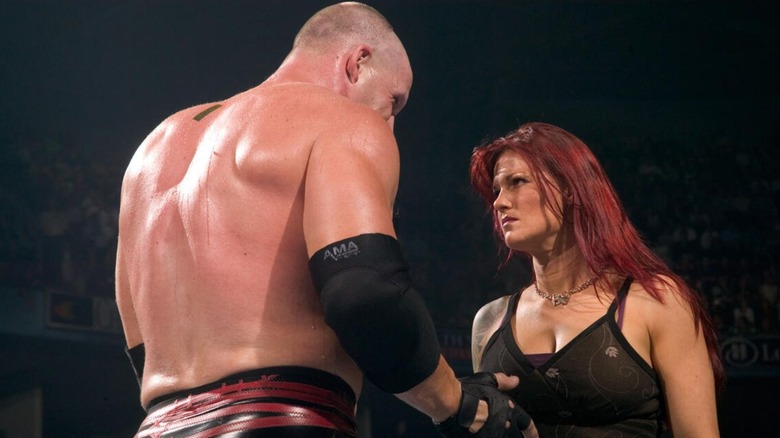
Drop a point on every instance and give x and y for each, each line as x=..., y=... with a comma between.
x=677, y=99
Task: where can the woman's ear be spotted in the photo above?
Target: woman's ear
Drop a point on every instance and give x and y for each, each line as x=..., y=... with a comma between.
x=567, y=196
x=356, y=59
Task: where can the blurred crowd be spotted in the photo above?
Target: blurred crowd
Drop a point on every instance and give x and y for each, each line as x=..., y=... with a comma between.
x=709, y=208
x=60, y=229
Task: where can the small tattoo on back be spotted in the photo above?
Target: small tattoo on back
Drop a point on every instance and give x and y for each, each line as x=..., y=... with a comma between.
x=206, y=112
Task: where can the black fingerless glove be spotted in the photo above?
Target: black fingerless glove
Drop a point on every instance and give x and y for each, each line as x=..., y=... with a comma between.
x=483, y=386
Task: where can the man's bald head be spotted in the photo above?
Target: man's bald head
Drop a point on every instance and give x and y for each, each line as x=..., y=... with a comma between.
x=352, y=49
x=344, y=23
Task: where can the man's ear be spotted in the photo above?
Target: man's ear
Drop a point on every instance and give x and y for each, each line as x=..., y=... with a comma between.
x=358, y=56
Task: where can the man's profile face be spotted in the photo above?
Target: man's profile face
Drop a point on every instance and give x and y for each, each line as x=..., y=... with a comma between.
x=385, y=83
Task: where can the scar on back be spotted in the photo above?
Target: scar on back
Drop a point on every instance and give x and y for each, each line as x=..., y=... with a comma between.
x=206, y=112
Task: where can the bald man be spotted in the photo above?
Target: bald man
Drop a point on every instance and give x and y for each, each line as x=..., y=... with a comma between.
x=258, y=274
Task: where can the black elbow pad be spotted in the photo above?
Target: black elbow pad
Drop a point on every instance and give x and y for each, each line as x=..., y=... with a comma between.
x=381, y=321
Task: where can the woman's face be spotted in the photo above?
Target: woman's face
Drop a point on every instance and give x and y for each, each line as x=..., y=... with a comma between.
x=527, y=221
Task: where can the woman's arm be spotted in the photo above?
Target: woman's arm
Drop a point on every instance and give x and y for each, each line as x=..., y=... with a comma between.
x=486, y=322
x=680, y=357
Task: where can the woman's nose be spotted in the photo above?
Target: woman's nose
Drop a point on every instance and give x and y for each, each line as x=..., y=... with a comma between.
x=500, y=204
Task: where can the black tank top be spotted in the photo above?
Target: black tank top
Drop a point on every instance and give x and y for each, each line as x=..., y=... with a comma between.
x=595, y=386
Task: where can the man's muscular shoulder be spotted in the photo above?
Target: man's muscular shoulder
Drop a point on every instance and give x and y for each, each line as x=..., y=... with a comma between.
x=354, y=124
x=174, y=126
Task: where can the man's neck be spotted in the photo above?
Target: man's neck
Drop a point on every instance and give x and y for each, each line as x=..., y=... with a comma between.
x=315, y=71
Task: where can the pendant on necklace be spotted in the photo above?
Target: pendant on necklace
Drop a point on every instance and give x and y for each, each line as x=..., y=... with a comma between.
x=560, y=300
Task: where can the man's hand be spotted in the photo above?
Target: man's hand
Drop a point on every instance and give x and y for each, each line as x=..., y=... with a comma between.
x=485, y=411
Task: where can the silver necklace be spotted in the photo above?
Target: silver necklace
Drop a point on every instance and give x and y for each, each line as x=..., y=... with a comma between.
x=562, y=298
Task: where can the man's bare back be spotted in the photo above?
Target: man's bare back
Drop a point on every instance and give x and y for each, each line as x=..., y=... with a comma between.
x=212, y=244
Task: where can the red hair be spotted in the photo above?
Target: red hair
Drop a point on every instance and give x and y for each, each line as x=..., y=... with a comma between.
x=604, y=233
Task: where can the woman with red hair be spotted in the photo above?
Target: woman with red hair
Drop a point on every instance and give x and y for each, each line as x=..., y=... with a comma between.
x=606, y=339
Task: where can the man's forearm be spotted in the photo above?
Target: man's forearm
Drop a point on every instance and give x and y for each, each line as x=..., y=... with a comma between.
x=438, y=395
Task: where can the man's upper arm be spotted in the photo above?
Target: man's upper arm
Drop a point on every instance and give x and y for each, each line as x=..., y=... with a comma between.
x=351, y=181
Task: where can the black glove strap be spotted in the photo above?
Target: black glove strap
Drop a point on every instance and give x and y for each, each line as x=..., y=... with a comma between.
x=483, y=386
x=467, y=409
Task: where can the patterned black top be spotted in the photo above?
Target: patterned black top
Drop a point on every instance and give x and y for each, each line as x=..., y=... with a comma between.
x=595, y=386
